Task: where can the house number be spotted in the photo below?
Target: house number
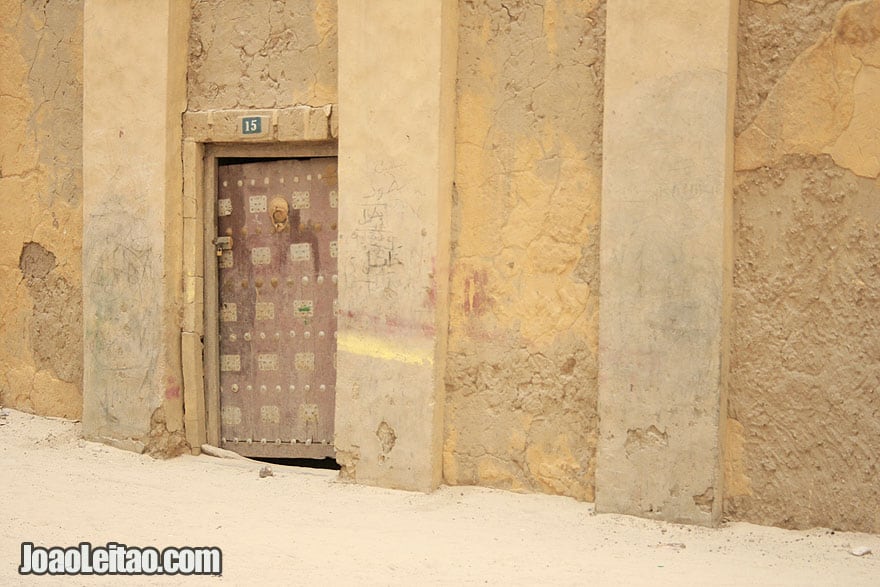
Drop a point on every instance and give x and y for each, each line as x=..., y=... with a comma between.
x=251, y=125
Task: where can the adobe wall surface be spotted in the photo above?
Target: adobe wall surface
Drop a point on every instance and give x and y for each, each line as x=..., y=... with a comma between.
x=804, y=405
x=41, y=202
x=521, y=374
x=262, y=54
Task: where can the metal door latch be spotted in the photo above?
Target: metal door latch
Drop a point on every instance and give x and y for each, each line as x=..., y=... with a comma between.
x=223, y=243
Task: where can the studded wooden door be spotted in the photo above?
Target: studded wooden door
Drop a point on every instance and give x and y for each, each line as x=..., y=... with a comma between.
x=276, y=246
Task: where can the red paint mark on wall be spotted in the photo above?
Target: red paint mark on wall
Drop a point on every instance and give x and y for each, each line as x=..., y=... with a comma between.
x=476, y=298
x=172, y=389
x=384, y=323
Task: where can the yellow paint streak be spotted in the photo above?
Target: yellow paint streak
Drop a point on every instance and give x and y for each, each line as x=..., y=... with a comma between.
x=736, y=482
x=380, y=348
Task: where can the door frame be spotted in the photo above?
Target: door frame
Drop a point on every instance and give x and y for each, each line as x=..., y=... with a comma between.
x=209, y=136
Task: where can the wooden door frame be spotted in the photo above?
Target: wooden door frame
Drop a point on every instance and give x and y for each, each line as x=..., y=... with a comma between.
x=209, y=136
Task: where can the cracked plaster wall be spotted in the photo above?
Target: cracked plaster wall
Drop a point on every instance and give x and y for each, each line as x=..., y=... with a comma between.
x=262, y=54
x=521, y=376
x=804, y=401
x=41, y=201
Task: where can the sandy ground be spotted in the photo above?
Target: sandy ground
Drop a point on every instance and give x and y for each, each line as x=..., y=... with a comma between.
x=303, y=526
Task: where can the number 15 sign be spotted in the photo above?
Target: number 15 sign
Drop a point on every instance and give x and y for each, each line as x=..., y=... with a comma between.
x=252, y=125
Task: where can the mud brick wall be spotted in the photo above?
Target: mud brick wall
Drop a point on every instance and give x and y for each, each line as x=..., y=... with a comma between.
x=262, y=54
x=521, y=376
x=804, y=402
x=41, y=346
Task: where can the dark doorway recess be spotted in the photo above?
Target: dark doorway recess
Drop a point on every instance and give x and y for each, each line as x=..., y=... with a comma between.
x=327, y=463
x=224, y=161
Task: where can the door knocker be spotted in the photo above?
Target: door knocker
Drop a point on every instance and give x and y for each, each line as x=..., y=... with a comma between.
x=278, y=209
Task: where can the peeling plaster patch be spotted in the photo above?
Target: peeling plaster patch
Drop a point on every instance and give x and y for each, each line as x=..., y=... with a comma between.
x=858, y=147
x=641, y=438
x=56, y=320
x=544, y=425
x=587, y=269
x=387, y=439
x=833, y=85
x=800, y=448
x=162, y=442
x=705, y=500
x=771, y=35
x=35, y=262
x=348, y=461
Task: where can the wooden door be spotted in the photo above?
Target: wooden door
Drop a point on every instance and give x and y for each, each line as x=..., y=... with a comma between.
x=276, y=244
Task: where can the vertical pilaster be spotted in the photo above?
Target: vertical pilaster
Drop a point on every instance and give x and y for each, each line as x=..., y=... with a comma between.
x=665, y=257
x=134, y=79
x=397, y=63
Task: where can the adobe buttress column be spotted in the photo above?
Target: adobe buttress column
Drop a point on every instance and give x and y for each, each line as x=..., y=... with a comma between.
x=134, y=79
x=397, y=63
x=665, y=257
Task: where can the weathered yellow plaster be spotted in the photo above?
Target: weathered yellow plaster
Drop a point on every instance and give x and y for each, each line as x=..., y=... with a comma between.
x=523, y=330
x=40, y=195
x=826, y=101
x=858, y=146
